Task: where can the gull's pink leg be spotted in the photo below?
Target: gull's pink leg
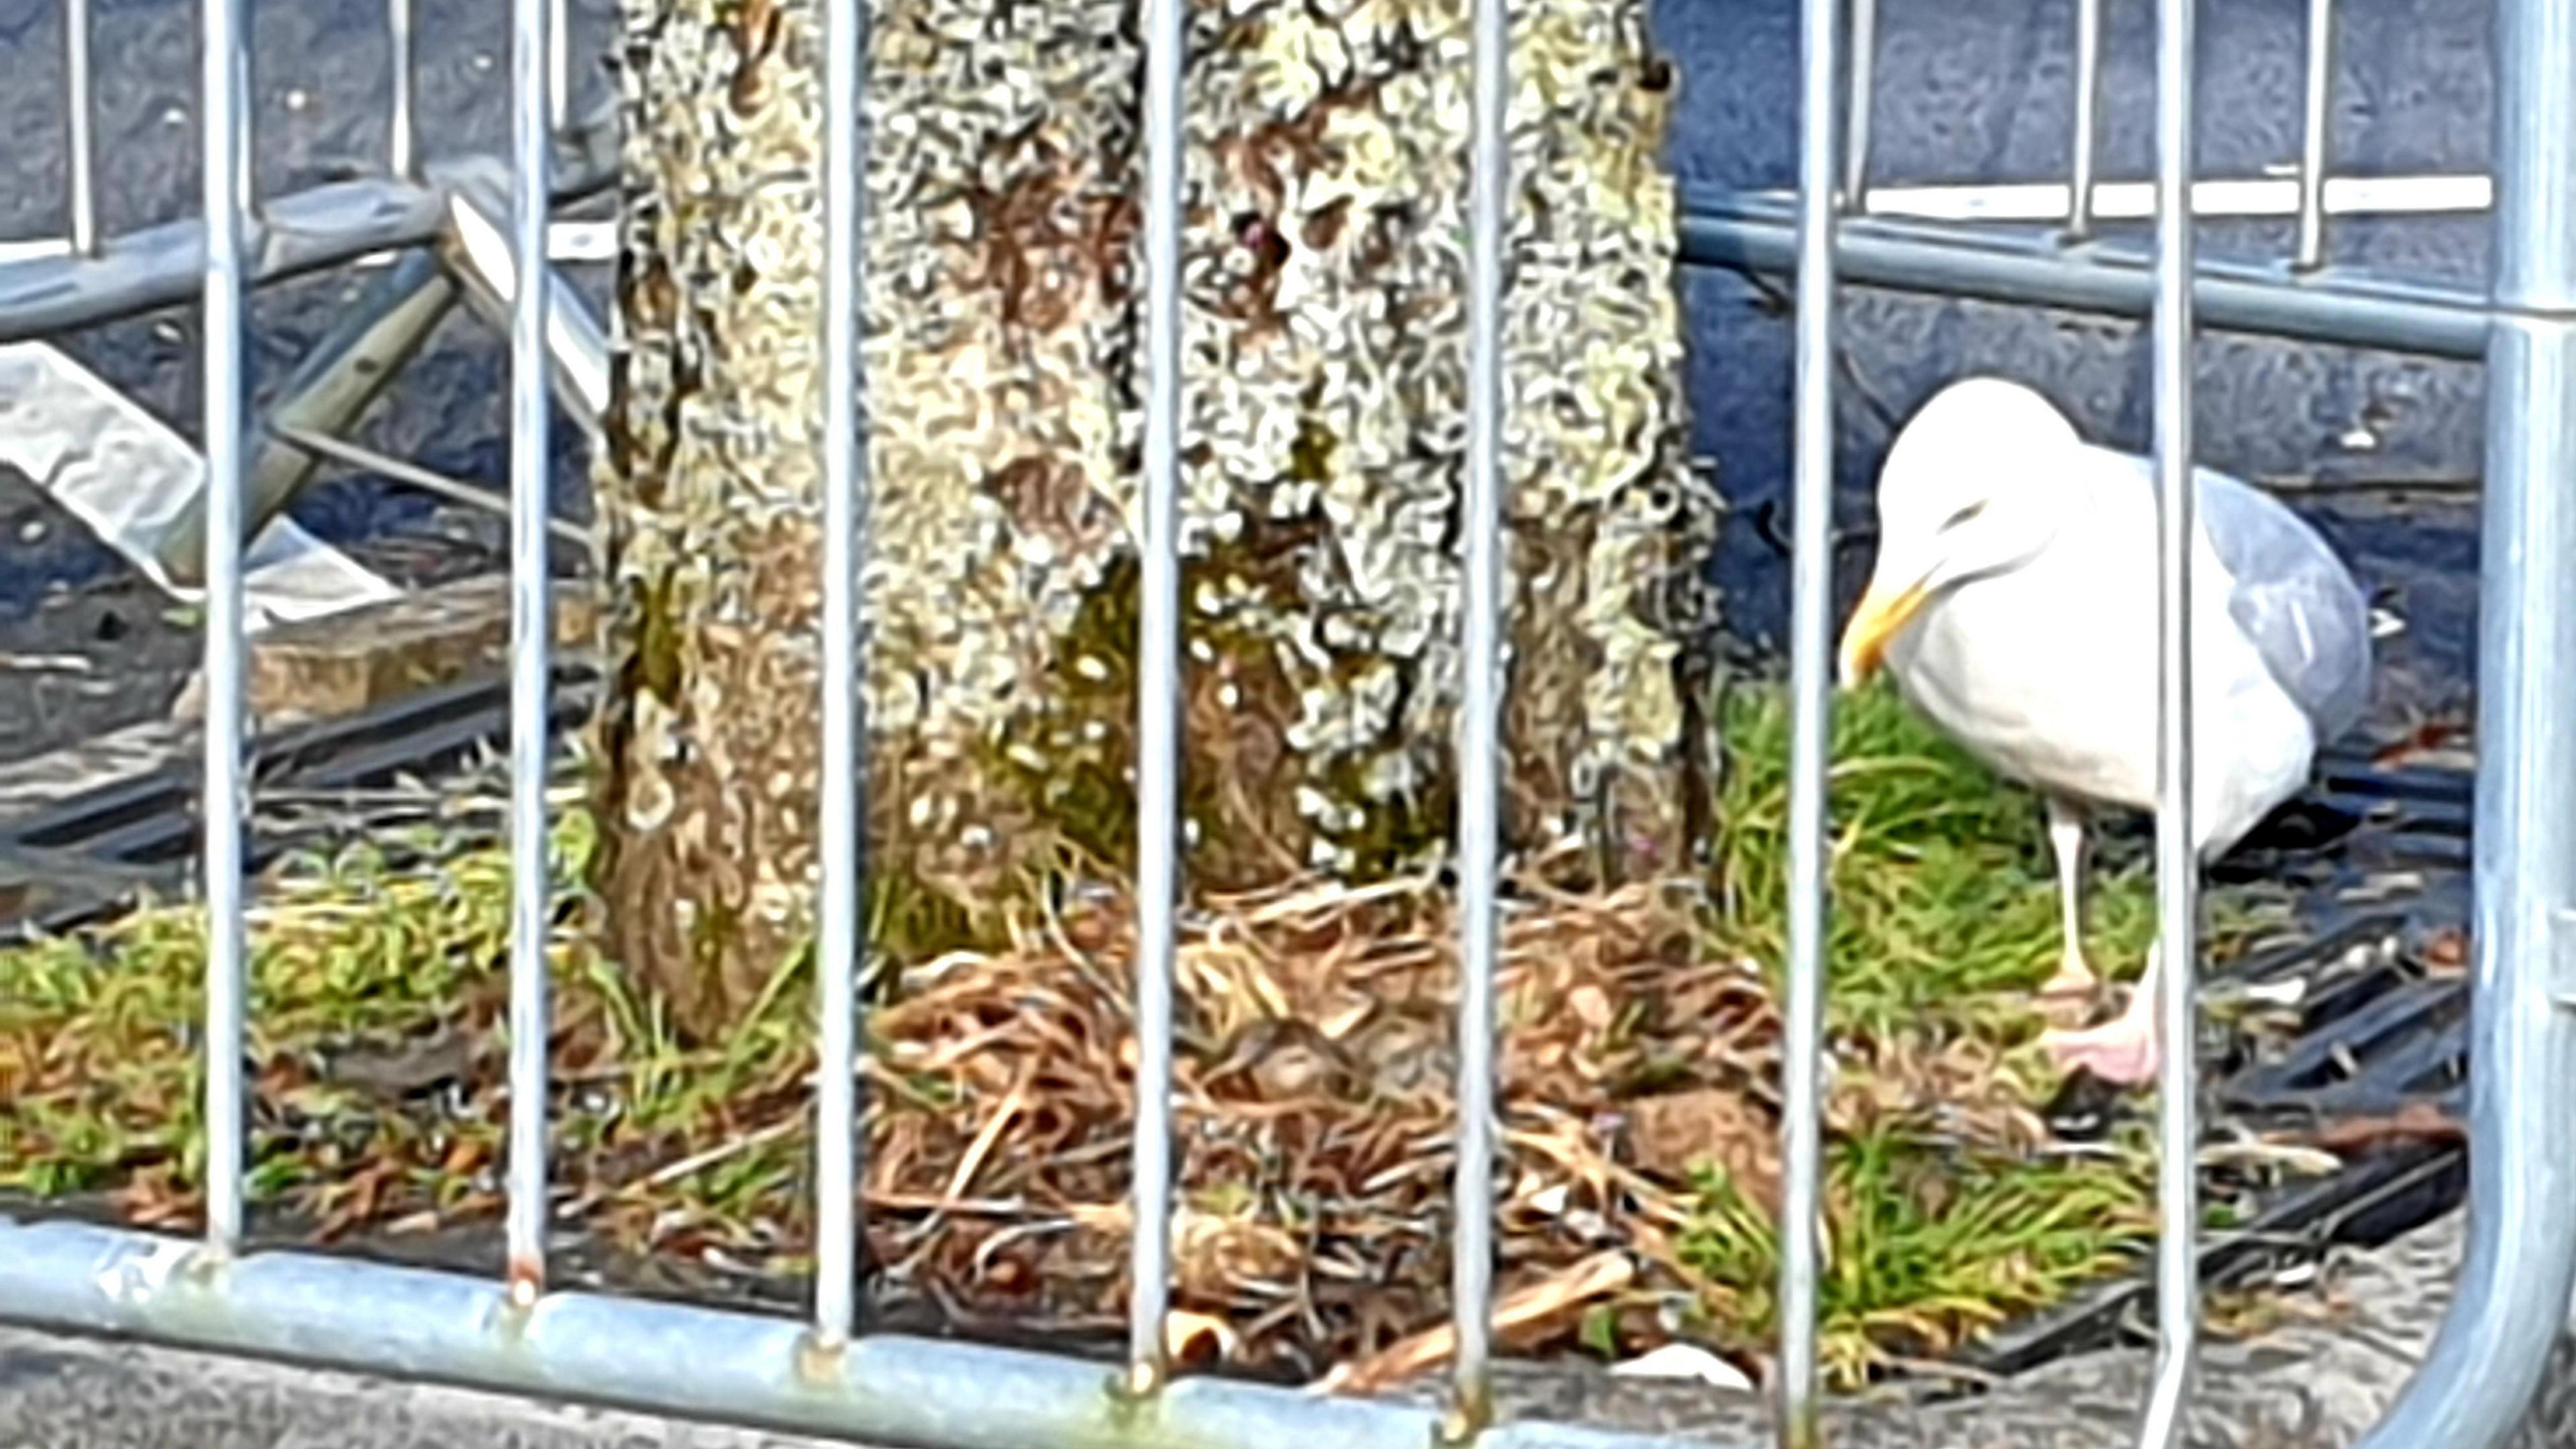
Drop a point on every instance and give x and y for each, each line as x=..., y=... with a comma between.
x=2066, y=841
x=2124, y=1050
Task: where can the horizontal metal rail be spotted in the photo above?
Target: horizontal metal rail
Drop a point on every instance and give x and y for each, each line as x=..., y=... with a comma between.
x=2243, y=197
x=566, y=241
x=1894, y=247
x=290, y=236
x=1757, y=233
x=673, y=1358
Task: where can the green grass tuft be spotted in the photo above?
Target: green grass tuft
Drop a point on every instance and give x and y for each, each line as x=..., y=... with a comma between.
x=1925, y=1246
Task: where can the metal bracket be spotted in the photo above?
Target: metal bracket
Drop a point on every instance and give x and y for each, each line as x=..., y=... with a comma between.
x=334, y=387
x=475, y=246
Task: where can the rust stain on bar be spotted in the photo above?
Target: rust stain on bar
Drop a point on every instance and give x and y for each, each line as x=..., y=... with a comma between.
x=527, y=1280
x=821, y=1361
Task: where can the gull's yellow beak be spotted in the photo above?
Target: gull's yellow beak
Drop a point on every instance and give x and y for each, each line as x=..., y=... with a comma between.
x=1881, y=613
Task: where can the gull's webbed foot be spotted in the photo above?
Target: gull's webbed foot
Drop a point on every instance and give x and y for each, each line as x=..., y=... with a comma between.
x=2073, y=977
x=2122, y=1051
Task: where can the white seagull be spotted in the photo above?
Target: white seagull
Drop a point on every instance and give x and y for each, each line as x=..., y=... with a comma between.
x=2015, y=602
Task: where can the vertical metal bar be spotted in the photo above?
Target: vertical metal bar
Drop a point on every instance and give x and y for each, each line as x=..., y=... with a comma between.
x=531, y=635
x=1158, y=704
x=2520, y=1260
x=559, y=65
x=2312, y=139
x=838, y=946
x=2088, y=116
x=401, y=133
x=2177, y=858
x=82, y=161
x=1810, y=739
x=245, y=175
x=1864, y=61
x=226, y=75
x=1471, y=1271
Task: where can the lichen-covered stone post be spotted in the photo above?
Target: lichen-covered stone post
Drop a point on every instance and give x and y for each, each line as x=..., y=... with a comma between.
x=1324, y=446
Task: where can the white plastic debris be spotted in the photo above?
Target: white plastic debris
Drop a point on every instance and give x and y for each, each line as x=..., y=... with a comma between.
x=1684, y=1361
x=129, y=478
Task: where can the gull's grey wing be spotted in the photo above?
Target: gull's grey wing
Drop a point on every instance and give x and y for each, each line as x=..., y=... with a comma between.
x=2293, y=597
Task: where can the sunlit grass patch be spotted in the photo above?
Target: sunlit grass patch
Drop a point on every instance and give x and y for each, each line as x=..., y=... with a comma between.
x=1944, y=897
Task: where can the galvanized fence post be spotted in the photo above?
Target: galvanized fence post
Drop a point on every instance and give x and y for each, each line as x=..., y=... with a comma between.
x=2083, y=148
x=1811, y=606
x=1158, y=698
x=2520, y=1262
x=1484, y=517
x=2175, y=968
x=225, y=168
x=532, y=46
x=840, y=947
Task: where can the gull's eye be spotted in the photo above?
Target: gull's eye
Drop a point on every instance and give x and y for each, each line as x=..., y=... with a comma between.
x=1964, y=514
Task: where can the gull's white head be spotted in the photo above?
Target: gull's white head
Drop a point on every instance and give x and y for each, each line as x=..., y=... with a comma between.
x=1974, y=485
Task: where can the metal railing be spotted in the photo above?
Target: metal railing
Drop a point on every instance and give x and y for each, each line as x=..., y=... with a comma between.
x=824, y=1375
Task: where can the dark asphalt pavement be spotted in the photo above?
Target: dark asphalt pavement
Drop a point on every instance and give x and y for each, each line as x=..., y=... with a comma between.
x=1965, y=90
x=1981, y=90
x=319, y=83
